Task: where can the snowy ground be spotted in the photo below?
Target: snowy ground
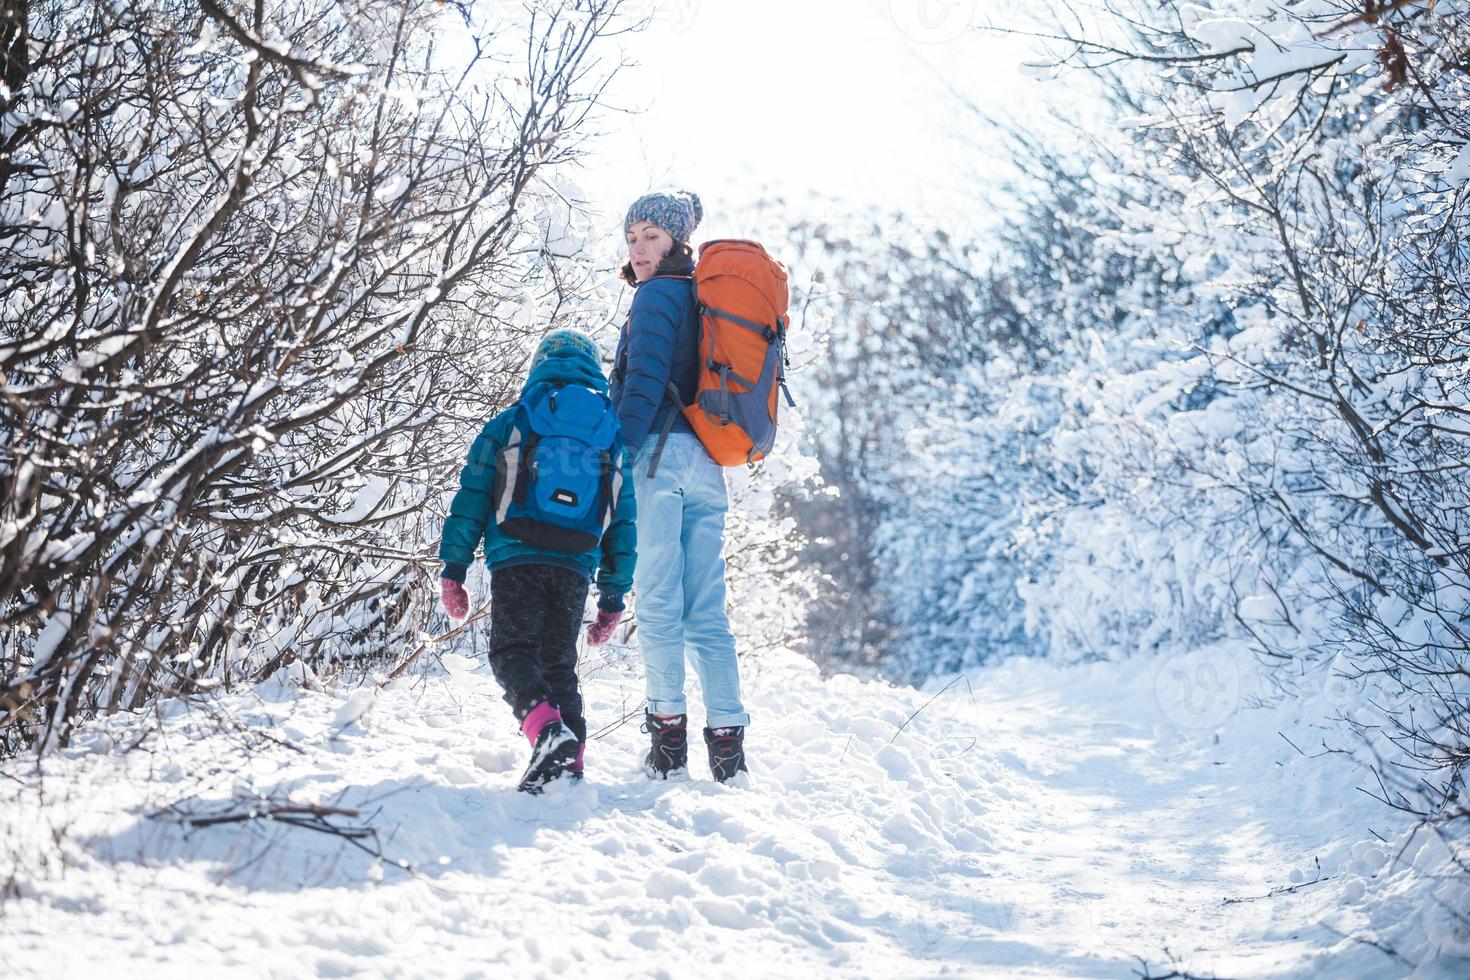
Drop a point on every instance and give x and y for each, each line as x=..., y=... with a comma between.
x=1037, y=821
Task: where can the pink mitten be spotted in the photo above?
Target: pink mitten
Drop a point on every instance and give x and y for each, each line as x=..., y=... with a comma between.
x=456, y=600
x=599, y=632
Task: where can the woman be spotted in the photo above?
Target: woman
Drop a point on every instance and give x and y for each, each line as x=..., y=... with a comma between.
x=680, y=495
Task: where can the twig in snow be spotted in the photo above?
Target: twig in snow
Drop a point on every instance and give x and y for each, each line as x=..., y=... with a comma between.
x=1172, y=974
x=974, y=741
x=1382, y=947
x=415, y=786
x=308, y=816
x=1144, y=973
x=225, y=719
x=952, y=683
x=425, y=644
x=609, y=659
x=615, y=725
x=1282, y=889
x=291, y=814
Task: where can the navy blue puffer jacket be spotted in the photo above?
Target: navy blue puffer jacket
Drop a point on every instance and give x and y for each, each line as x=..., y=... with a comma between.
x=659, y=343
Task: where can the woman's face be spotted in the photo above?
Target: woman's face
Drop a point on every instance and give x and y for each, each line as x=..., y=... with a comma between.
x=647, y=245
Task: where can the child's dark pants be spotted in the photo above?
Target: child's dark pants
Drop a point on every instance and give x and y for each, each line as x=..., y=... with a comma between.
x=535, y=613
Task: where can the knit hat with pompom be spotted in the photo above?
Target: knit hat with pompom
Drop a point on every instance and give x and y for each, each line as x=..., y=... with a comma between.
x=676, y=212
x=565, y=341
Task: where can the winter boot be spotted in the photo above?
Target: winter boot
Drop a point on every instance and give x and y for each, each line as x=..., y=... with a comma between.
x=574, y=771
x=668, y=753
x=553, y=747
x=726, y=751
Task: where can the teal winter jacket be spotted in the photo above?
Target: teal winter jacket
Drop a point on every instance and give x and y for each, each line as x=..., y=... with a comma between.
x=470, y=519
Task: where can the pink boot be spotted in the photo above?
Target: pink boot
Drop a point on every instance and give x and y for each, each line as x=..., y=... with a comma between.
x=553, y=747
x=538, y=718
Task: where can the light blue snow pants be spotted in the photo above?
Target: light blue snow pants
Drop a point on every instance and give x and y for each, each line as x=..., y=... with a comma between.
x=680, y=580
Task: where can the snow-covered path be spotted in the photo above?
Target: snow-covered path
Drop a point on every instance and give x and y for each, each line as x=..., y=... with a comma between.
x=1035, y=821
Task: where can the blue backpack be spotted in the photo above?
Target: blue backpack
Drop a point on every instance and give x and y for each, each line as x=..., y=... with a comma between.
x=560, y=473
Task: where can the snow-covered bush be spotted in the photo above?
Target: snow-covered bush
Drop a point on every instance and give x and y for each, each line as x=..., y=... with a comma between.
x=1242, y=409
x=1311, y=171
x=263, y=268
x=940, y=389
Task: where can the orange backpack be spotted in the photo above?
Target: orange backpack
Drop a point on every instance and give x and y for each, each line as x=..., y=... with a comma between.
x=740, y=298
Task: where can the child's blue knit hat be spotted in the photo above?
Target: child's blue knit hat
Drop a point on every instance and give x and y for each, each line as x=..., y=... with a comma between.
x=565, y=339
x=676, y=212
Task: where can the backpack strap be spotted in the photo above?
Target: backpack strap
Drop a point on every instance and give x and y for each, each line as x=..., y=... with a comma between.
x=671, y=394
x=785, y=363
x=525, y=469
x=777, y=336
x=605, y=484
x=771, y=335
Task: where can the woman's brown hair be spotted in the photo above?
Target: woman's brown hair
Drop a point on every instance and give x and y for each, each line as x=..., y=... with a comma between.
x=679, y=259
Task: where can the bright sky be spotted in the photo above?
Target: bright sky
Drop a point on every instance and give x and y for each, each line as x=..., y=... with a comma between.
x=809, y=99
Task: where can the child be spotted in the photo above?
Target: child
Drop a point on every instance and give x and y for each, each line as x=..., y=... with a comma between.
x=540, y=481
